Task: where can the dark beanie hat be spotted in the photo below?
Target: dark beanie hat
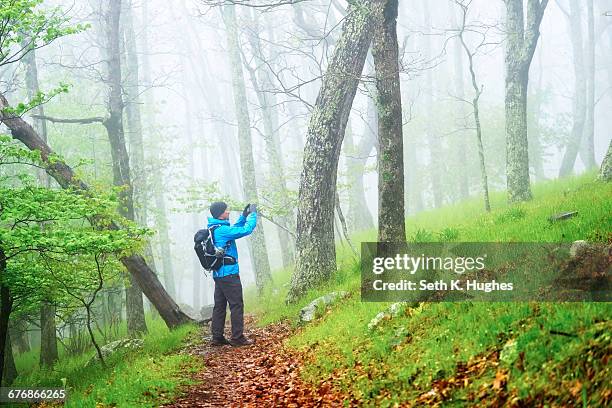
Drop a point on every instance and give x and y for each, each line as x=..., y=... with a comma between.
x=217, y=208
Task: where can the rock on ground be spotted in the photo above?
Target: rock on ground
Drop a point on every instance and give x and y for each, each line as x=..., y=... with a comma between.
x=309, y=312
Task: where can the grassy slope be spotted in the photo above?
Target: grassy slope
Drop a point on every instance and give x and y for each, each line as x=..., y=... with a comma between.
x=454, y=347
x=142, y=378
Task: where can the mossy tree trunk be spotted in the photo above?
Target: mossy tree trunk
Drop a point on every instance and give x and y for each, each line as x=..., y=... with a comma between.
x=521, y=43
x=315, y=249
x=605, y=173
x=391, y=224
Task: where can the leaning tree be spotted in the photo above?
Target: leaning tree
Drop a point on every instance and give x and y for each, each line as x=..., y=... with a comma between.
x=316, y=253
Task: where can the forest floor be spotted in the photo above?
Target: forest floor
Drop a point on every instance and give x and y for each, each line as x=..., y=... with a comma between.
x=265, y=374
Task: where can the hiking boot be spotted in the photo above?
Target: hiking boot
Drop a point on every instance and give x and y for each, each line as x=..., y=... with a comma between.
x=241, y=342
x=220, y=342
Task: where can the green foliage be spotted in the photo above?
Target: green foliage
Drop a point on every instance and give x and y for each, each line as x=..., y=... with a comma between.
x=144, y=377
x=449, y=234
x=199, y=196
x=39, y=99
x=47, y=238
x=28, y=25
x=510, y=215
x=422, y=235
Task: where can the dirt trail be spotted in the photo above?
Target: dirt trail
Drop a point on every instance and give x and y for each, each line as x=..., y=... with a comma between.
x=262, y=375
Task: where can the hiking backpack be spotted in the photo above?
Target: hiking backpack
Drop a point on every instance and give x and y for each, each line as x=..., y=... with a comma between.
x=211, y=257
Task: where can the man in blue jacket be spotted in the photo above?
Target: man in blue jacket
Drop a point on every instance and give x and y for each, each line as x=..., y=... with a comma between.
x=228, y=288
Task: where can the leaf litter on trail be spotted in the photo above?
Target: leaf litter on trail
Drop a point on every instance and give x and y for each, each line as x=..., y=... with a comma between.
x=262, y=375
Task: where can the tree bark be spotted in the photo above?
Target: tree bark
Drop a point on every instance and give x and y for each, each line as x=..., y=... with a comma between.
x=605, y=172
x=521, y=44
x=247, y=164
x=316, y=252
x=580, y=91
x=48, y=341
x=121, y=164
x=64, y=175
x=391, y=223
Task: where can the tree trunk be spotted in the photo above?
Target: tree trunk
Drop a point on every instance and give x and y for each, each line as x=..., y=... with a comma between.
x=196, y=272
x=6, y=307
x=10, y=370
x=359, y=215
x=48, y=347
x=520, y=47
x=391, y=223
x=267, y=102
x=433, y=145
x=460, y=139
x=161, y=220
x=247, y=164
x=65, y=176
x=316, y=252
x=476, y=111
x=536, y=153
x=48, y=341
x=580, y=92
x=605, y=173
x=19, y=334
x=587, y=149
x=121, y=165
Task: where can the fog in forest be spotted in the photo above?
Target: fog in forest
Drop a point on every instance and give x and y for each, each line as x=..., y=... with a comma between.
x=177, y=73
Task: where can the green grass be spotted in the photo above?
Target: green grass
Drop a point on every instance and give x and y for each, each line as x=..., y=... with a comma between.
x=141, y=378
x=561, y=348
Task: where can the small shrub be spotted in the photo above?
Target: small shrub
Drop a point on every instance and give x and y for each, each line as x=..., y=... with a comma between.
x=449, y=234
x=510, y=215
x=422, y=235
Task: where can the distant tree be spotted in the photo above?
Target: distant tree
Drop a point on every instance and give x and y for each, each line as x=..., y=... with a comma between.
x=391, y=223
x=521, y=42
x=574, y=23
x=263, y=275
x=605, y=173
x=470, y=53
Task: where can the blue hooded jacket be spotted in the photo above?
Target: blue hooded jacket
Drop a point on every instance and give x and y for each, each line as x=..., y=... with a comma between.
x=226, y=232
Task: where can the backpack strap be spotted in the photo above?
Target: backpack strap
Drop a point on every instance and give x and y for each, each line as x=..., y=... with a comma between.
x=225, y=248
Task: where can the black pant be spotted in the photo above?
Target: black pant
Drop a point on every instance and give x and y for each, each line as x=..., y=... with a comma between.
x=228, y=289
